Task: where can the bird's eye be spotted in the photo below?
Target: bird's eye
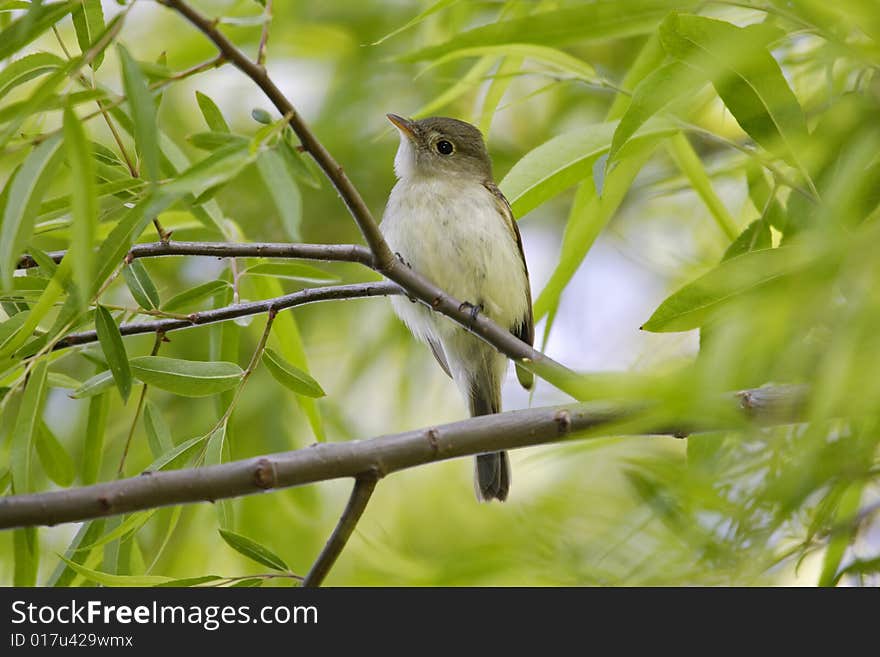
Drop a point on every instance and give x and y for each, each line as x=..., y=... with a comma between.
x=444, y=147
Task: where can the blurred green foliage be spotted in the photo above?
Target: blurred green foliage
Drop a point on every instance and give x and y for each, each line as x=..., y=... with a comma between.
x=730, y=147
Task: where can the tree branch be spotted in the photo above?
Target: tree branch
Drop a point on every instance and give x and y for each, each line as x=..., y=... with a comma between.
x=300, y=298
x=364, y=485
x=381, y=456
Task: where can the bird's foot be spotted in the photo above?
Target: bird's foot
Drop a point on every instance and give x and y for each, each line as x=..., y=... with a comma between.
x=473, y=310
x=401, y=258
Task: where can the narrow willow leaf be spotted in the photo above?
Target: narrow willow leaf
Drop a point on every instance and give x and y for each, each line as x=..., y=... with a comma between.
x=63, y=575
x=93, y=447
x=192, y=581
x=654, y=92
x=26, y=552
x=143, y=113
x=27, y=68
x=754, y=238
x=218, y=168
x=283, y=190
x=563, y=161
x=26, y=190
x=95, y=385
x=433, y=9
x=173, y=454
x=688, y=161
x=107, y=579
x=141, y=285
x=508, y=68
x=158, y=433
x=84, y=201
x=292, y=271
x=124, y=234
x=650, y=58
x=290, y=376
x=132, y=523
x=39, y=18
x=303, y=169
x=214, y=456
x=847, y=511
x=88, y=21
x=55, y=460
x=10, y=328
x=599, y=20
x=692, y=305
x=746, y=76
x=61, y=380
x=552, y=57
x=113, y=347
x=251, y=582
x=25, y=431
x=189, y=378
x=211, y=141
x=253, y=550
x=289, y=343
x=191, y=297
x=213, y=115
x=590, y=213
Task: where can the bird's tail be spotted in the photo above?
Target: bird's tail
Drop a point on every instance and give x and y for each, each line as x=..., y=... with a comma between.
x=491, y=471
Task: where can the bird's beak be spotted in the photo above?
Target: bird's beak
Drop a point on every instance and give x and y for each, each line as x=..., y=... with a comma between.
x=404, y=125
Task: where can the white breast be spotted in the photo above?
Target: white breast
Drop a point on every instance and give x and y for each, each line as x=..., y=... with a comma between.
x=452, y=233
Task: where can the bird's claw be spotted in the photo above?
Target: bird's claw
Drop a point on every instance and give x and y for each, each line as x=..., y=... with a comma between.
x=473, y=310
x=401, y=258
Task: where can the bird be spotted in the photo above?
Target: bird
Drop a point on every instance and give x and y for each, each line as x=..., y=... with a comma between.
x=448, y=220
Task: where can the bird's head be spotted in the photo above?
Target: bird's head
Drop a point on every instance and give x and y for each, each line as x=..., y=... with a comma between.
x=440, y=147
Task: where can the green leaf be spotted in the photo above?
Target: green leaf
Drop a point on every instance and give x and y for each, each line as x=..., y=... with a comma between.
x=114, y=350
x=25, y=431
x=88, y=21
x=302, y=169
x=211, y=141
x=141, y=285
x=552, y=57
x=746, y=76
x=754, y=238
x=123, y=530
x=107, y=579
x=26, y=551
x=653, y=93
x=253, y=550
x=10, y=328
x=218, y=168
x=292, y=271
x=172, y=454
x=563, y=161
x=27, y=68
x=57, y=463
x=433, y=9
x=214, y=456
x=590, y=213
x=28, y=27
x=158, y=433
x=191, y=581
x=283, y=190
x=287, y=338
x=123, y=235
x=213, y=115
x=84, y=201
x=192, y=296
x=61, y=380
x=26, y=189
x=692, y=305
x=143, y=113
x=100, y=382
x=599, y=20
x=504, y=74
x=290, y=376
x=189, y=378
x=93, y=447
x=63, y=575
x=847, y=511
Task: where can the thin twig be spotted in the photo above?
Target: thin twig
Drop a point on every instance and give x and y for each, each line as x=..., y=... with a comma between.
x=302, y=297
x=360, y=495
x=392, y=453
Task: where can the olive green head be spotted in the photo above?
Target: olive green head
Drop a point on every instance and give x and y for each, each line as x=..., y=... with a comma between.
x=440, y=147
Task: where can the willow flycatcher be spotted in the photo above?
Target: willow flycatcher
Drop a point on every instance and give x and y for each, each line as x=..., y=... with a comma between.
x=448, y=220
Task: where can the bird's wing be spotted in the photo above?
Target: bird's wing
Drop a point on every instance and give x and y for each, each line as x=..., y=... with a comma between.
x=525, y=328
